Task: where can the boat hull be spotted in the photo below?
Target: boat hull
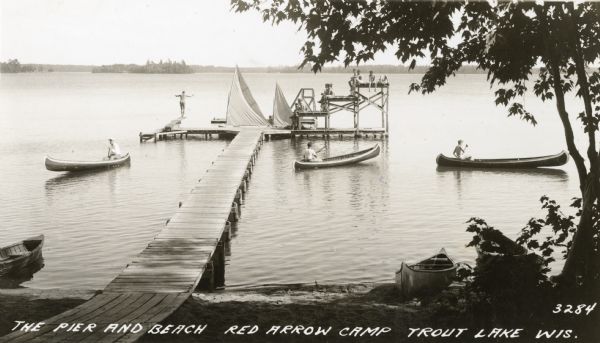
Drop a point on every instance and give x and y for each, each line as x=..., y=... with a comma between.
x=342, y=160
x=527, y=162
x=19, y=256
x=510, y=251
x=74, y=166
x=413, y=280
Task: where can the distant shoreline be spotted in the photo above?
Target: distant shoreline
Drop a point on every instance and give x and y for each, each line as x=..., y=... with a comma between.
x=200, y=69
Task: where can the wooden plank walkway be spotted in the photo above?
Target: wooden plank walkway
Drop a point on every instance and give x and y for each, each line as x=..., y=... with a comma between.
x=167, y=271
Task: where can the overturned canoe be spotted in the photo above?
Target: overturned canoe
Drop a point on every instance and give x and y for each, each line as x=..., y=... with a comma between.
x=341, y=160
x=428, y=276
x=61, y=165
x=16, y=257
x=494, y=247
x=526, y=162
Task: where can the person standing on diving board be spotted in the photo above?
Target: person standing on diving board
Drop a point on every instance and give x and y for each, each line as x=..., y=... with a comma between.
x=182, y=97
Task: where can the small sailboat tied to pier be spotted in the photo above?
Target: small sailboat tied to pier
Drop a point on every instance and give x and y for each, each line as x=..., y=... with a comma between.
x=242, y=109
x=282, y=113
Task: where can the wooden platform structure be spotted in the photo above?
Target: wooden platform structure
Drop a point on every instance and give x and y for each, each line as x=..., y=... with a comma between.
x=213, y=132
x=307, y=110
x=188, y=251
x=228, y=132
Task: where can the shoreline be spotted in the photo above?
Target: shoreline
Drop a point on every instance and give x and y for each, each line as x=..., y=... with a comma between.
x=295, y=313
x=326, y=305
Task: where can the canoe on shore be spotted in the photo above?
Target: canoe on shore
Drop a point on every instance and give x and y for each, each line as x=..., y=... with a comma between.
x=526, y=162
x=428, y=276
x=61, y=165
x=494, y=243
x=341, y=160
x=18, y=256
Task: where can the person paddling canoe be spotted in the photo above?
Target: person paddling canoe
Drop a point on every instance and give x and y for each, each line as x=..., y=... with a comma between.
x=310, y=155
x=114, y=151
x=459, y=151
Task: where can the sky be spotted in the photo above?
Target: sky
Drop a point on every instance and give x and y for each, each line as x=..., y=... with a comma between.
x=204, y=32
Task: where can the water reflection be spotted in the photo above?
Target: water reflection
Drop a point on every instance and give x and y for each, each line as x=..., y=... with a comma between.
x=555, y=174
x=15, y=280
x=66, y=181
x=478, y=177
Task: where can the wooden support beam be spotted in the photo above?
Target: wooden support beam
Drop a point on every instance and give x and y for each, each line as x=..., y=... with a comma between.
x=233, y=214
x=226, y=236
x=207, y=281
x=219, y=265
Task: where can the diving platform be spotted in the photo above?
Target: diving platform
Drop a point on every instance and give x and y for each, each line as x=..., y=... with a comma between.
x=188, y=252
x=308, y=110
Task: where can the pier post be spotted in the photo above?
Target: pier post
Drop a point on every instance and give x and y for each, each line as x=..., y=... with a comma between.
x=219, y=265
x=244, y=186
x=226, y=238
x=238, y=206
x=207, y=280
x=238, y=197
x=233, y=214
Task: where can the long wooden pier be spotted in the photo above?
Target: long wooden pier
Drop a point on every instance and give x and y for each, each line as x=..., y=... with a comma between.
x=189, y=250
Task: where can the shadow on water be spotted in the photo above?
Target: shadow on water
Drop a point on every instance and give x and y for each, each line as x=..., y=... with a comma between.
x=14, y=280
x=554, y=174
x=69, y=179
x=491, y=176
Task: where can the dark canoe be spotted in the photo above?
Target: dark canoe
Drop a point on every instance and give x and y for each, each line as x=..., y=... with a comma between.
x=493, y=244
x=495, y=248
x=526, y=162
x=218, y=121
x=341, y=160
x=61, y=165
x=428, y=276
x=19, y=256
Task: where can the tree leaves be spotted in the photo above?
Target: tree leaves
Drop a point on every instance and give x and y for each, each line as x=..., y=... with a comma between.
x=517, y=109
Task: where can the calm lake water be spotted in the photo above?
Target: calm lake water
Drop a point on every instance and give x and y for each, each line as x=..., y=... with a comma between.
x=352, y=224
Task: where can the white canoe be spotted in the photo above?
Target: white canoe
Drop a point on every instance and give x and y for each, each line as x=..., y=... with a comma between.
x=53, y=164
x=341, y=160
x=428, y=276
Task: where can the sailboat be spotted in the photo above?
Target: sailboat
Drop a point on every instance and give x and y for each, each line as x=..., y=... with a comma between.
x=282, y=113
x=242, y=109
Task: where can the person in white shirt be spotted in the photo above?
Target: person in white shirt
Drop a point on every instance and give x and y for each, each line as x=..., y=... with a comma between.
x=114, y=151
x=309, y=154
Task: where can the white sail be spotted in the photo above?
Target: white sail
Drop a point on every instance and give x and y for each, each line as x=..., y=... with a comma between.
x=242, y=109
x=282, y=113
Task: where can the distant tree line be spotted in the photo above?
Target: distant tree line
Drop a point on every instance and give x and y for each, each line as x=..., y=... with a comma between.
x=170, y=67
x=13, y=66
x=151, y=67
